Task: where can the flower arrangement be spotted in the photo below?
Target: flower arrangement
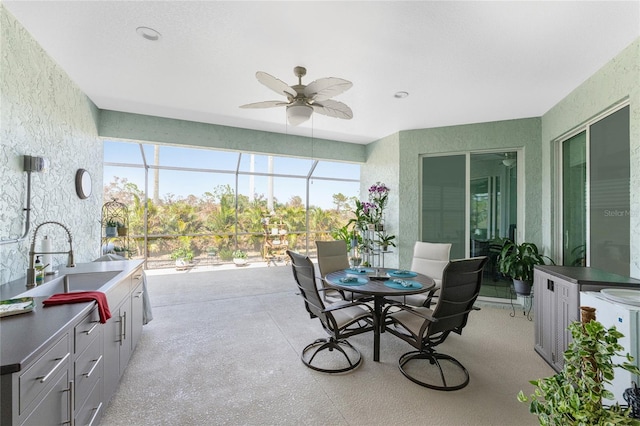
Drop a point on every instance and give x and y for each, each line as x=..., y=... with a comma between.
x=370, y=212
x=378, y=195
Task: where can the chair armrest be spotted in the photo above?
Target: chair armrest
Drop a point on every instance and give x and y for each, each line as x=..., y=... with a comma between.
x=408, y=309
x=347, y=305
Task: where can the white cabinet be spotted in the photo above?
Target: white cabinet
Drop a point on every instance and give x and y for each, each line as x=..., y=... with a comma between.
x=122, y=331
x=88, y=368
x=557, y=304
x=69, y=366
x=45, y=390
x=137, y=308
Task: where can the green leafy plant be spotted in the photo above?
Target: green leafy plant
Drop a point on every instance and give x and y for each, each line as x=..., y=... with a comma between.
x=182, y=253
x=240, y=254
x=517, y=260
x=385, y=239
x=574, y=396
x=123, y=251
x=225, y=254
x=350, y=237
x=112, y=223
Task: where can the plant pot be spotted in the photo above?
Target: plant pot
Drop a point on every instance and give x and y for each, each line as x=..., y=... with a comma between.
x=110, y=231
x=239, y=261
x=181, y=264
x=522, y=288
x=122, y=231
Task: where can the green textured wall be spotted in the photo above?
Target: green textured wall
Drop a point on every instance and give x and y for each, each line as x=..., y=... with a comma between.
x=44, y=114
x=617, y=81
x=120, y=125
x=410, y=145
x=383, y=165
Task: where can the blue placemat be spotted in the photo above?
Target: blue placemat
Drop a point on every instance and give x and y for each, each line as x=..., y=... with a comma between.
x=351, y=281
x=397, y=285
x=359, y=271
x=402, y=274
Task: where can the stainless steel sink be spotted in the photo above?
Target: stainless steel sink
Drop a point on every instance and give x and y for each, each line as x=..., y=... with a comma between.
x=88, y=281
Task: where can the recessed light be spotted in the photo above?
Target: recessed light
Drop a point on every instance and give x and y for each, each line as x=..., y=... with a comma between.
x=148, y=33
x=401, y=95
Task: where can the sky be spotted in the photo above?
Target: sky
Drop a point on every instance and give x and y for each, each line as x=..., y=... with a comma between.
x=182, y=183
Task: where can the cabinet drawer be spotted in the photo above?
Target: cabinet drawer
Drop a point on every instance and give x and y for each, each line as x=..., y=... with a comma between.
x=37, y=377
x=136, y=278
x=86, y=330
x=88, y=370
x=118, y=293
x=52, y=408
x=91, y=412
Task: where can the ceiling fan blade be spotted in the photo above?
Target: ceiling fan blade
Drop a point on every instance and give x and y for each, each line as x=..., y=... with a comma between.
x=333, y=109
x=275, y=84
x=325, y=88
x=265, y=104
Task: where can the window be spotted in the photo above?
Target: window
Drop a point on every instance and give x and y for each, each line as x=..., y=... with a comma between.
x=209, y=201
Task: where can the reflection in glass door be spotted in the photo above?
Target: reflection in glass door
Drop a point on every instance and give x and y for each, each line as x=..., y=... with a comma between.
x=493, y=217
x=574, y=200
x=479, y=219
x=594, y=189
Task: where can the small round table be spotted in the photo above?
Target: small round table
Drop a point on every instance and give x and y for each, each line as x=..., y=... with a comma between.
x=375, y=286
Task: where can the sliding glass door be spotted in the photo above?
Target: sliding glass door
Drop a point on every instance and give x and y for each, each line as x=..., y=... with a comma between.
x=444, y=201
x=574, y=200
x=594, y=195
x=470, y=200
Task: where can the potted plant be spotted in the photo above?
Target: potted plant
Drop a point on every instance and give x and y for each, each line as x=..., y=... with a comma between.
x=517, y=261
x=111, y=228
x=574, y=395
x=182, y=256
x=385, y=240
x=240, y=257
x=122, y=251
x=352, y=238
x=122, y=230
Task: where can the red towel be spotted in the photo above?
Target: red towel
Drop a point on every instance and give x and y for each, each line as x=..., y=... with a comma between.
x=82, y=296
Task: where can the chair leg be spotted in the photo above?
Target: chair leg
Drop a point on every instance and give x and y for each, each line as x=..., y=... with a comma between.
x=436, y=361
x=331, y=344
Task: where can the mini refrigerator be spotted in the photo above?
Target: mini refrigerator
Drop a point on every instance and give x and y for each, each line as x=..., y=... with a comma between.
x=626, y=319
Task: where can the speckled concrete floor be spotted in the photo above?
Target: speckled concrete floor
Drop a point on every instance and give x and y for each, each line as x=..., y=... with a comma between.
x=223, y=349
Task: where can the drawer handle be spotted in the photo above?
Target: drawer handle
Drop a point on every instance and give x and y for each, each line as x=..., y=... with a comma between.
x=72, y=404
x=137, y=277
x=92, y=328
x=60, y=362
x=94, y=367
x=93, y=418
x=124, y=326
x=139, y=295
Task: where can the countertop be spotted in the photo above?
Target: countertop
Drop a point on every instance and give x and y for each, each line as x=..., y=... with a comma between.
x=23, y=336
x=588, y=276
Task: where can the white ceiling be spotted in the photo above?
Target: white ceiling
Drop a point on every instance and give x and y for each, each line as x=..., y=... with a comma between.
x=461, y=62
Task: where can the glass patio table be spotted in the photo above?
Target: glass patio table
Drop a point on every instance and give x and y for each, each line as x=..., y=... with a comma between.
x=379, y=283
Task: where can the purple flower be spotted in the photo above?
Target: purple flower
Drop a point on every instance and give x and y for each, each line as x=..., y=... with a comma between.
x=378, y=188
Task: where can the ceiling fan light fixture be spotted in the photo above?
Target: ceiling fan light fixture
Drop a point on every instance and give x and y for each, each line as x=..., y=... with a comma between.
x=148, y=33
x=509, y=162
x=298, y=114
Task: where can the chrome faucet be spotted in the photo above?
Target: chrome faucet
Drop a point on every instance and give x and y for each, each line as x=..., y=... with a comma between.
x=31, y=272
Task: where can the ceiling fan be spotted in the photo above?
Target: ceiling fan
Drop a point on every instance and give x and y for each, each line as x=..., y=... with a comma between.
x=302, y=99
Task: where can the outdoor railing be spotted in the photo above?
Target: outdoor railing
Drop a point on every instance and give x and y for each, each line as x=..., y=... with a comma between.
x=162, y=250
